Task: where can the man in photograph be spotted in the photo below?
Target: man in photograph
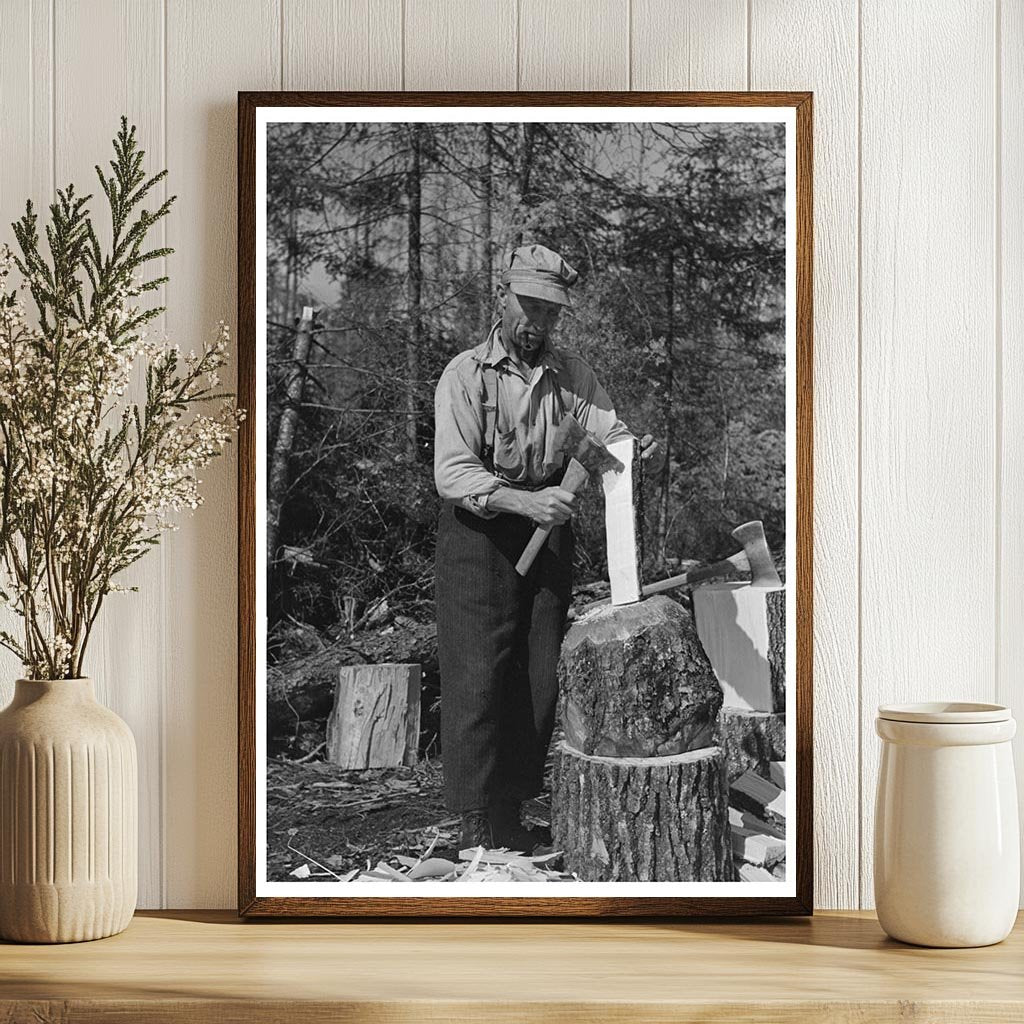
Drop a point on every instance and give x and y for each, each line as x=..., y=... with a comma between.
x=497, y=465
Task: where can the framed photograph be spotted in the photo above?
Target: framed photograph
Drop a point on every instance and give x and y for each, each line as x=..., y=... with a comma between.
x=525, y=504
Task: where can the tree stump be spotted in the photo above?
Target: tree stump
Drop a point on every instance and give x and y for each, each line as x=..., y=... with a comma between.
x=635, y=682
x=643, y=819
x=375, y=720
x=752, y=740
x=743, y=630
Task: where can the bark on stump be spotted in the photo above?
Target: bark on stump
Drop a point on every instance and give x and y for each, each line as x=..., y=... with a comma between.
x=643, y=819
x=775, y=607
x=635, y=682
x=751, y=740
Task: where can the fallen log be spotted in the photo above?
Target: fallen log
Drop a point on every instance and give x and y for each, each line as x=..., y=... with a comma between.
x=300, y=690
x=634, y=681
x=642, y=819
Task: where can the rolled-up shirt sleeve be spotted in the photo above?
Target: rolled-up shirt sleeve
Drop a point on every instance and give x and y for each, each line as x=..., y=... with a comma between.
x=459, y=473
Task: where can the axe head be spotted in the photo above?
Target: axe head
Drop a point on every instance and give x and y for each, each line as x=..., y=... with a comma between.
x=595, y=458
x=568, y=435
x=573, y=440
x=755, y=547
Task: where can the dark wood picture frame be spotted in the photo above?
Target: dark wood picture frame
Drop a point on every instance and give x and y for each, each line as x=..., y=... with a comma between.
x=364, y=906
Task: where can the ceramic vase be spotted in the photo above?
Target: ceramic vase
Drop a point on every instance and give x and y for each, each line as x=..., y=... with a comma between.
x=947, y=846
x=68, y=815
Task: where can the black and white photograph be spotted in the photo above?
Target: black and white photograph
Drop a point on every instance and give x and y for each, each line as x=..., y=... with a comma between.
x=525, y=500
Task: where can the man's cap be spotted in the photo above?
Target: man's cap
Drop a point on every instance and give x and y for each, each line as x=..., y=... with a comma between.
x=536, y=271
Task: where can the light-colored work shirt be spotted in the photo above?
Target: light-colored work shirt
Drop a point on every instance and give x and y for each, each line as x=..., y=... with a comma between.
x=530, y=404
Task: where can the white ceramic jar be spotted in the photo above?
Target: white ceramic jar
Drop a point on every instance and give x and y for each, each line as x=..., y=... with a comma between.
x=947, y=846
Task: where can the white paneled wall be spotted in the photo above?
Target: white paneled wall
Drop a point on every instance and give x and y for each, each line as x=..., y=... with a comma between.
x=1009, y=319
x=928, y=512
x=782, y=58
x=919, y=310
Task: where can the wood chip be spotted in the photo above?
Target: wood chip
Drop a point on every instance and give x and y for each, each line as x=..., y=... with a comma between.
x=752, y=873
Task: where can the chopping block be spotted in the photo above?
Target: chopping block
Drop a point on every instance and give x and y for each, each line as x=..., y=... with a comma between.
x=639, y=787
x=634, y=680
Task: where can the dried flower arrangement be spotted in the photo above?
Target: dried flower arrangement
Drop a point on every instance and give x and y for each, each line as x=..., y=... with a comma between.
x=89, y=478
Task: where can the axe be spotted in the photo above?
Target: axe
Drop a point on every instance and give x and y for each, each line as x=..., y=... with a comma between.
x=754, y=557
x=588, y=456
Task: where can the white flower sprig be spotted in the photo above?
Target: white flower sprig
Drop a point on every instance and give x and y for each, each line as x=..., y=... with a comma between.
x=88, y=478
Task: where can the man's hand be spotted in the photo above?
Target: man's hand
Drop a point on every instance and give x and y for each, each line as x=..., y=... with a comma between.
x=653, y=455
x=551, y=506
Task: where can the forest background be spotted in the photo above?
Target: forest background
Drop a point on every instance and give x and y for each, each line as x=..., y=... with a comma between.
x=394, y=232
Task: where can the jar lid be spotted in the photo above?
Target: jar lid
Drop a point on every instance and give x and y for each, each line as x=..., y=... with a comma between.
x=944, y=712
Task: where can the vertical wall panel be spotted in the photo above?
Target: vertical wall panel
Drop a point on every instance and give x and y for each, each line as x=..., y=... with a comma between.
x=574, y=44
x=469, y=45
x=1010, y=257
x=213, y=51
x=782, y=59
x=26, y=109
x=26, y=128
x=700, y=44
x=124, y=656
x=928, y=359
x=342, y=44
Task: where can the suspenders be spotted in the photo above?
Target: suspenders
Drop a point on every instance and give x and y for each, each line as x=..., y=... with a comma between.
x=490, y=402
x=566, y=403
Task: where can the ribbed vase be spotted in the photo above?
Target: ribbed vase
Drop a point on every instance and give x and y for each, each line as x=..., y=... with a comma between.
x=68, y=815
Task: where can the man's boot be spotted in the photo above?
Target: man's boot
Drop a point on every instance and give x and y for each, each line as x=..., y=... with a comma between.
x=507, y=828
x=476, y=830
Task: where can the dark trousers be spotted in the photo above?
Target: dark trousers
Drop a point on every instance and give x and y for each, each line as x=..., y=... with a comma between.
x=499, y=637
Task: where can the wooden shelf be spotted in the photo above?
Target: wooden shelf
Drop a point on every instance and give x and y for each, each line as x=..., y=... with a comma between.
x=200, y=967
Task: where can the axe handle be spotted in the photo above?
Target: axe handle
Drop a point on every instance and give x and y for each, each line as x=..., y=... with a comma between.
x=574, y=478
x=686, y=579
x=701, y=572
